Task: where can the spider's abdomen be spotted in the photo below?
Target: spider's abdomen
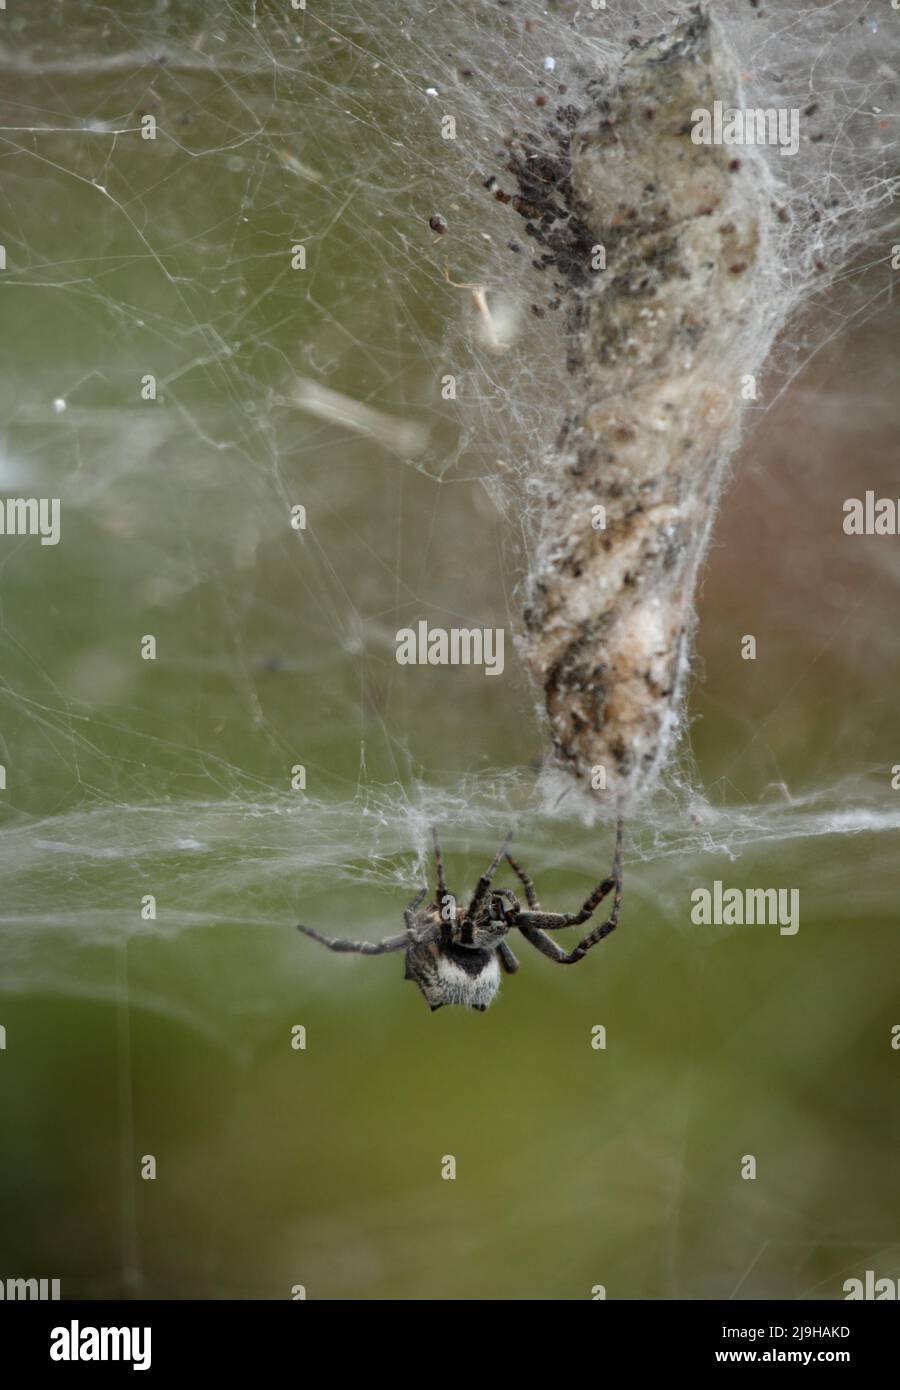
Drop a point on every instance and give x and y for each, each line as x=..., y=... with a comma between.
x=451, y=974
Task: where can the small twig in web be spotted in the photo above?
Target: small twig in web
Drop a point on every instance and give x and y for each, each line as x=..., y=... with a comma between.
x=496, y=335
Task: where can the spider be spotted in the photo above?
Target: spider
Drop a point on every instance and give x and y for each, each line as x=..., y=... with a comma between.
x=455, y=955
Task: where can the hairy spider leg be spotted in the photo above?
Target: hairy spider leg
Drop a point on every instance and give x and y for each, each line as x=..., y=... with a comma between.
x=486, y=879
x=526, y=881
x=442, y=893
x=439, y=865
x=378, y=948
x=409, y=914
x=507, y=958
x=362, y=948
x=534, y=925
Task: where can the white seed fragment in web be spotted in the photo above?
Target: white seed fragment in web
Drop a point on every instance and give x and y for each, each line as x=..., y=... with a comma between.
x=302, y=171
x=403, y=437
x=497, y=328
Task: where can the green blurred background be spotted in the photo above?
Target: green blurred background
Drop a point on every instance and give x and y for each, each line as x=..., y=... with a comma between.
x=125, y=1037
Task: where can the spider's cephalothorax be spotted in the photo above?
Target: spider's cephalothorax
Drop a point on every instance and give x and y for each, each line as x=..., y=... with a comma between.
x=455, y=954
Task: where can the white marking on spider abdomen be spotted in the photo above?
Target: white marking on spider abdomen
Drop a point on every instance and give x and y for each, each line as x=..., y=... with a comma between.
x=475, y=991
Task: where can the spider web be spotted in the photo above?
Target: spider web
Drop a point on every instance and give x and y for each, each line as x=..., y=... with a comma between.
x=172, y=257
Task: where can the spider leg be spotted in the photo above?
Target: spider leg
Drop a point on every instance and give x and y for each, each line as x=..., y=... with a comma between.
x=545, y=944
x=526, y=881
x=419, y=936
x=484, y=882
x=553, y=921
x=362, y=948
x=532, y=924
x=409, y=914
x=439, y=864
x=507, y=958
x=390, y=943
